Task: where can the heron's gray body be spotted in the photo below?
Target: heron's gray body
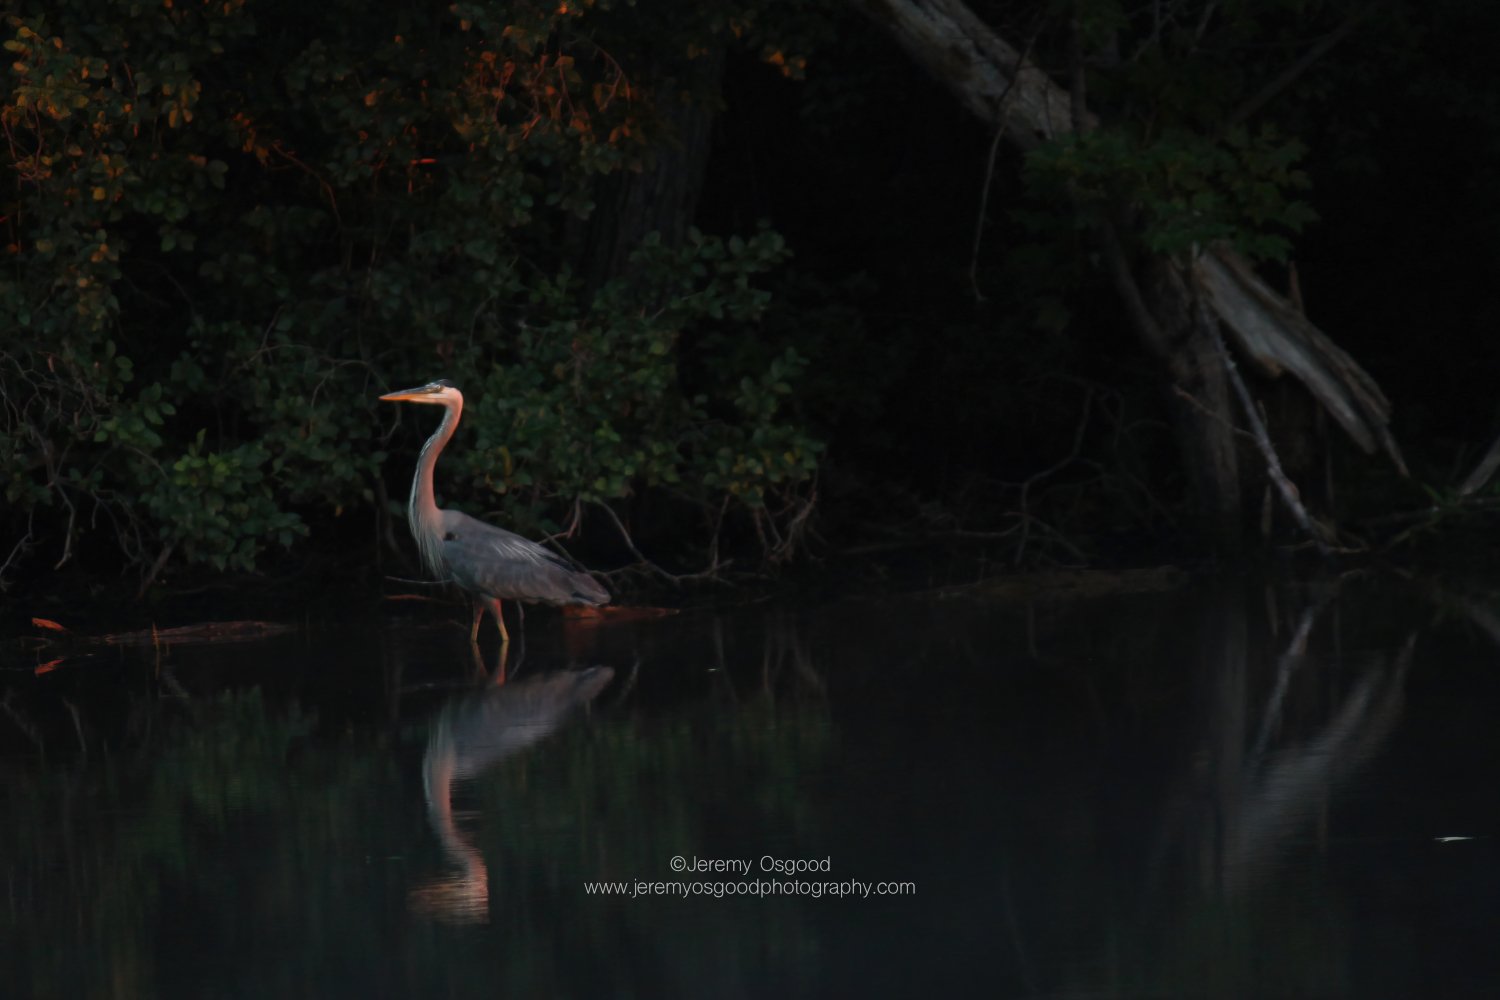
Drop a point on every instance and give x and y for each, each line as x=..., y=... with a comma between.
x=484, y=559
x=490, y=563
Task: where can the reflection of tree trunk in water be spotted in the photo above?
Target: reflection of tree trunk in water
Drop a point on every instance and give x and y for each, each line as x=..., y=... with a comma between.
x=1242, y=802
x=1282, y=798
x=663, y=197
x=1223, y=643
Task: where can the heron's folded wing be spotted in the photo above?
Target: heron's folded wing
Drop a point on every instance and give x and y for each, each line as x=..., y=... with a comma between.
x=481, y=557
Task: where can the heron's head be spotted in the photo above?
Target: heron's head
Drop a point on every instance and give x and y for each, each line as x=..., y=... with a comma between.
x=442, y=391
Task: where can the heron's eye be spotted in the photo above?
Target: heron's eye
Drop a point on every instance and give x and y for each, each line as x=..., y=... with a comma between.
x=450, y=536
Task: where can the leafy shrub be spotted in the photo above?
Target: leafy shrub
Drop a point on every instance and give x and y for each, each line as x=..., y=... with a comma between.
x=229, y=227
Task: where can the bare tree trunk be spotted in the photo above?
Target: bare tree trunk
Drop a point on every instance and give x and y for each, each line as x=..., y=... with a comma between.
x=1175, y=307
x=662, y=198
x=1203, y=408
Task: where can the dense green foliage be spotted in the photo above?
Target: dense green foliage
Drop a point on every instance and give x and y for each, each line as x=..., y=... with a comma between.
x=1184, y=144
x=227, y=227
x=231, y=224
x=1191, y=190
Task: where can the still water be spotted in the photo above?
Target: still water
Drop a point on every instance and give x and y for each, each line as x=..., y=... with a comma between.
x=1204, y=790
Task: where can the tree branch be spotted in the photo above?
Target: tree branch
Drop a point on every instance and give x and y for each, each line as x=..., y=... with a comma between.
x=1002, y=87
x=1289, y=76
x=1315, y=530
x=981, y=69
x=711, y=573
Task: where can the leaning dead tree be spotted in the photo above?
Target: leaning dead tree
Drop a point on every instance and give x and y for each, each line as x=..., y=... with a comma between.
x=1177, y=304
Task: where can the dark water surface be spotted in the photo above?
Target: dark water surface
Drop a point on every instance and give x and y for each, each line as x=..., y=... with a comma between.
x=1221, y=790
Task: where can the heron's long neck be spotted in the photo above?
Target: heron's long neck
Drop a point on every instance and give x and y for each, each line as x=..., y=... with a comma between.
x=422, y=509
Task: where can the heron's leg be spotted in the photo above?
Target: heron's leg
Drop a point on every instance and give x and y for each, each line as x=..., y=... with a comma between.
x=493, y=603
x=478, y=608
x=499, y=676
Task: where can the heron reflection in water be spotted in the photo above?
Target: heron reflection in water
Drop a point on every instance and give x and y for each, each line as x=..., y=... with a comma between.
x=472, y=734
x=490, y=564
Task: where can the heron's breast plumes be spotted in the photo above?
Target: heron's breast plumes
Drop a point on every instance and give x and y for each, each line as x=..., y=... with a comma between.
x=428, y=531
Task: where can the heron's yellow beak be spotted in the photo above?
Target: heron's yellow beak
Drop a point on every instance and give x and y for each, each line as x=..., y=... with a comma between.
x=433, y=392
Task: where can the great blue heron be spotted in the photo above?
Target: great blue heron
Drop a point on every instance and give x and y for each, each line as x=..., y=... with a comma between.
x=489, y=563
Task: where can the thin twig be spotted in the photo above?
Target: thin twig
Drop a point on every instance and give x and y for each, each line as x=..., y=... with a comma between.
x=161, y=560
x=712, y=573
x=984, y=201
x=1208, y=13
x=1202, y=408
x=989, y=175
x=1288, y=76
x=67, y=552
x=1059, y=465
x=1288, y=490
x=1130, y=290
x=22, y=545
